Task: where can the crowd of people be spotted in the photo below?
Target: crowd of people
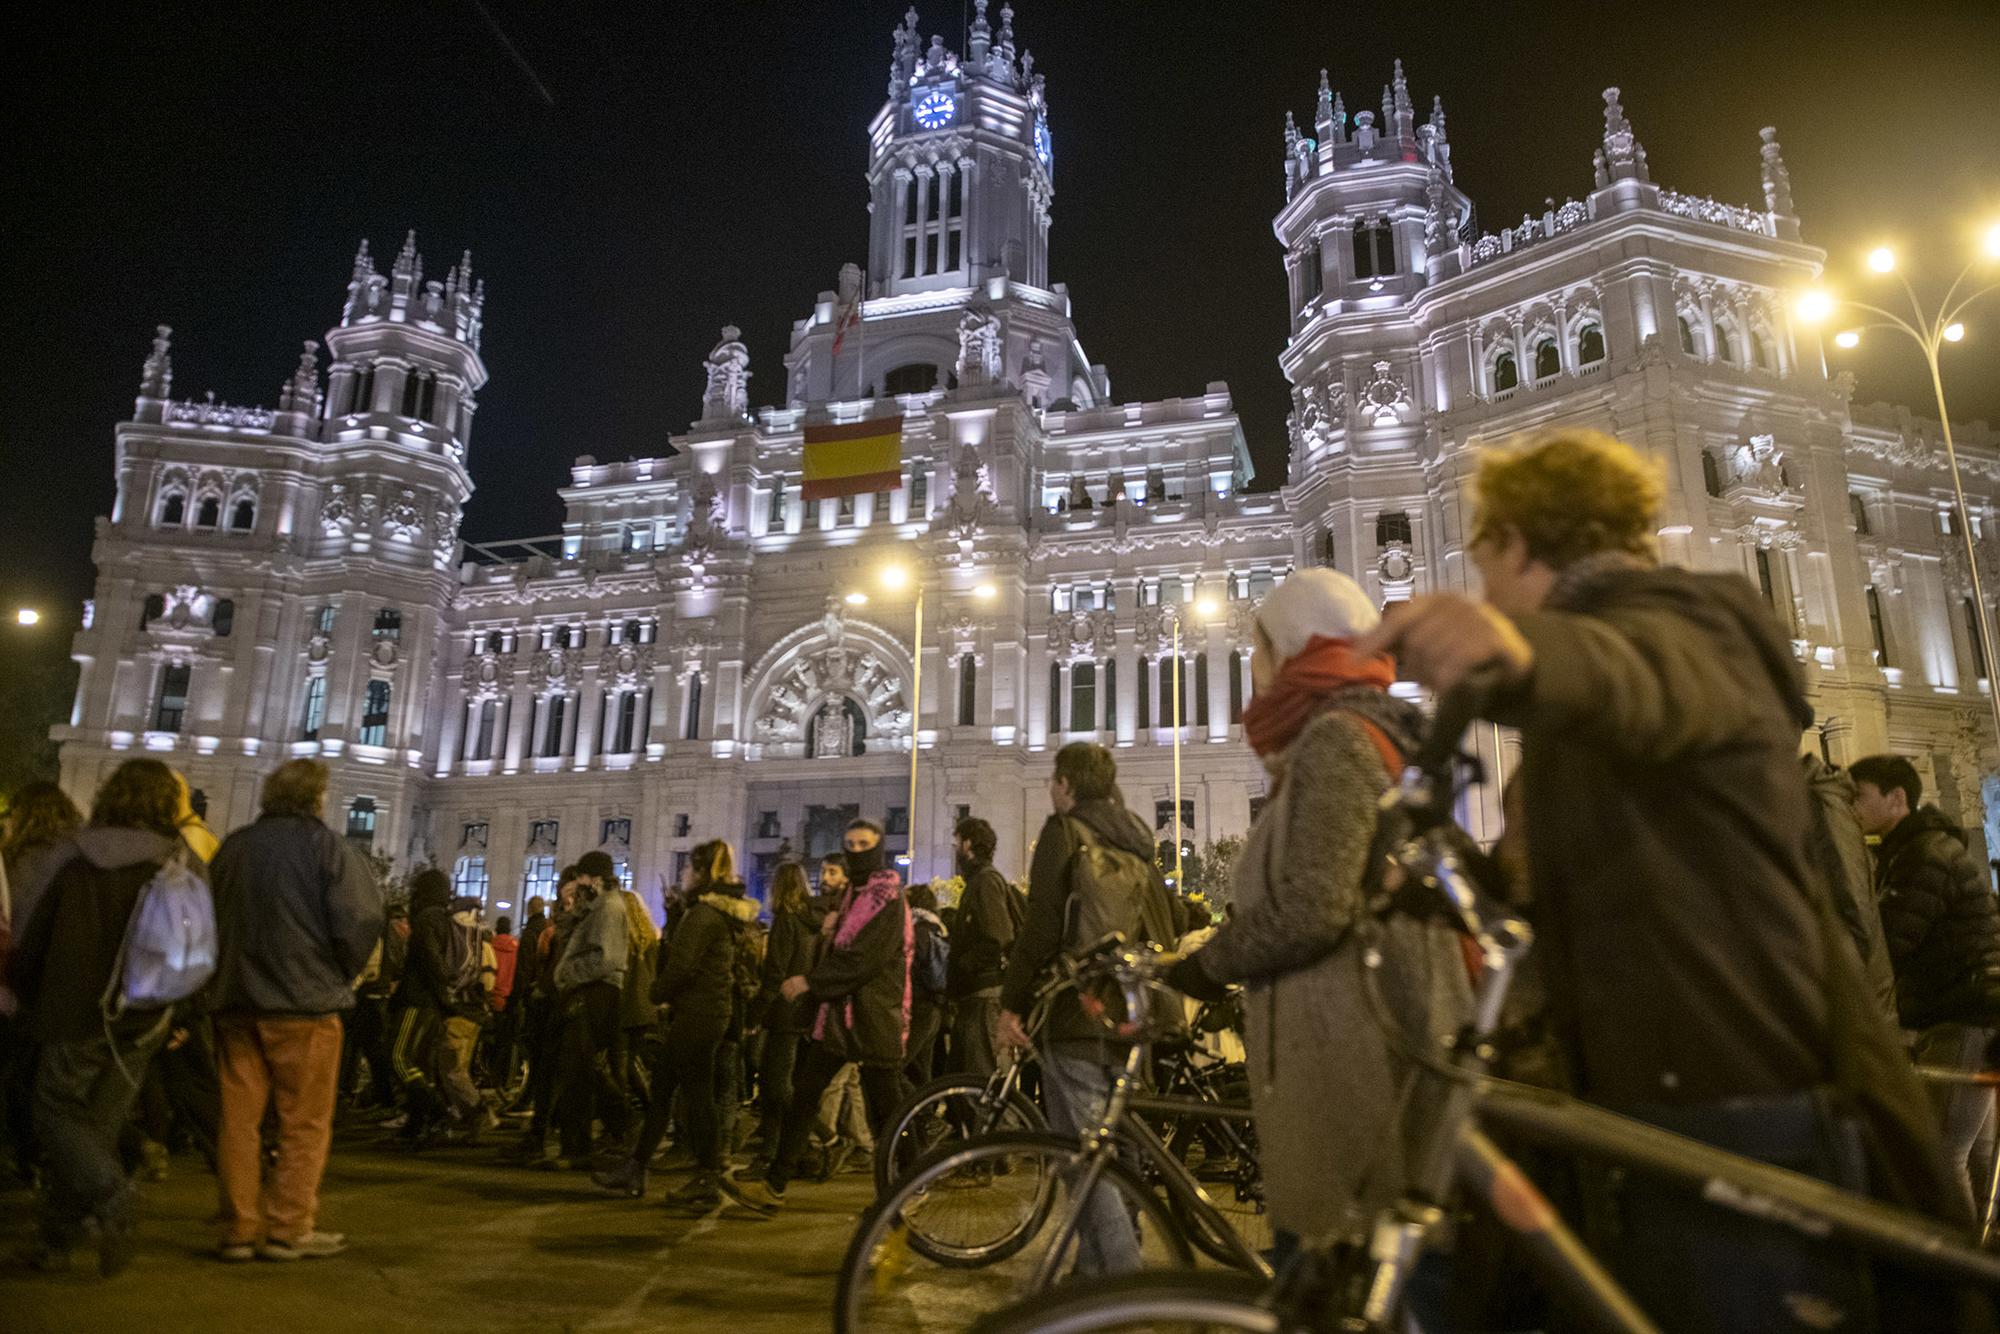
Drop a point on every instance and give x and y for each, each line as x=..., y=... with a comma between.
x=1719, y=951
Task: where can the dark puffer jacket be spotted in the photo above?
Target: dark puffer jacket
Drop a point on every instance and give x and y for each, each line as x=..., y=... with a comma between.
x=789, y=953
x=697, y=972
x=1942, y=922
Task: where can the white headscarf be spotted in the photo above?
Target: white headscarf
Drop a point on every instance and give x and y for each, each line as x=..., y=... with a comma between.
x=1314, y=602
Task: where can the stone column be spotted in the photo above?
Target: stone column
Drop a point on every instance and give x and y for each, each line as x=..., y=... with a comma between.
x=584, y=720
x=518, y=714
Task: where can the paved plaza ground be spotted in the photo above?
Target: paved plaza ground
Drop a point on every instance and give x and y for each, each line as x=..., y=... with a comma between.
x=449, y=1241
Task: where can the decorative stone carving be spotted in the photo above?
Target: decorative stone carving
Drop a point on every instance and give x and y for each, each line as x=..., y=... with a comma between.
x=626, y=664
x=444, y=532
x=1082, y=634
x=1758, y=464
x=693, y=648
x=554, y=667
x=978, y=346
x=1322, y=411
x=1396, y=566
x=402, y=518
x=1384, y=398
x=830, y=669
x=961, y=637
x=384, y=653
x=833, y=730
x=488, y=674
x=727, y=394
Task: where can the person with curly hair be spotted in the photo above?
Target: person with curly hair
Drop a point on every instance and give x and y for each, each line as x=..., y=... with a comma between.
x=1696, y=975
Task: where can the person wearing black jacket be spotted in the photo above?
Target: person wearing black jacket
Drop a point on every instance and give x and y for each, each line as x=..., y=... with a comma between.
x=1942, y=924
x=861, y=988
x=788, y=953
x=420, y=1005
x=1696, y=975
x=988, y=915
x=696, y=981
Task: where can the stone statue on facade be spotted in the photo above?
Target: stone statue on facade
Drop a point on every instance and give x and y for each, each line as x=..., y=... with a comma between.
x=833, y=731
x=978, y=347
x=727, y=395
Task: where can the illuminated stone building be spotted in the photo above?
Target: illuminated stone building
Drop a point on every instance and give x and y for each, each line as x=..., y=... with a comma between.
x=689, y=656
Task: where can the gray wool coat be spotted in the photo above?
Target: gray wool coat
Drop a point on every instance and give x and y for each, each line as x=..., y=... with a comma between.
x=1324, y=1085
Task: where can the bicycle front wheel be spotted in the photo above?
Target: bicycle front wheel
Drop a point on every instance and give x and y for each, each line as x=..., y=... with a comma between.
x=973, y=1226
x=949, y=1108
x=1167, y=1301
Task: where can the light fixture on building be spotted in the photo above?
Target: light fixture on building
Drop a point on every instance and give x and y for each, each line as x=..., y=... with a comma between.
x=985, y=592
x=856, y=599
x=27, y=616
x=1847, y=338
x=1882, y=259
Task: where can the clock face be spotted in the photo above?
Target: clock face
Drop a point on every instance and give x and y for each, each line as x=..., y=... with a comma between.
x=936, y=109
x=1043, y=149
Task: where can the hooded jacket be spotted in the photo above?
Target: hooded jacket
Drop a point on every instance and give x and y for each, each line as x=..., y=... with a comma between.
x=1942, y=923
x=1040, y=941
x=982, y=934
x=597, y=948
x=64, y=957
x=297, y=913
x=697, y=971
x=426, y=983
x=862, y=982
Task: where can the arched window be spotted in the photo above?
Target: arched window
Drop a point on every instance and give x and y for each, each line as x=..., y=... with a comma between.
x=1083, y=697
x=173, y=510
x=1590, y=345
x=209, y=513
x=915, y=378
x=375, y=715
x=1687, y=337
x=1506, y=374
x=244, y=517
x=1725, y=345
x=1548, y=359
x=968, y=689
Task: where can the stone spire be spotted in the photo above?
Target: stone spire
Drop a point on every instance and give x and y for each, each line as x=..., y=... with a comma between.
x=1323, y=111
x=1440, y=145
x=300, y=394
x=979, y=39
x=1339, y=120
x=359, y=284
x=406, y=278
x=1000, y=58
x=1388, y=121
x=1406, y=115
x=157, y=379
x=1292, y=181
x=1623, y=157
x=1777, y=180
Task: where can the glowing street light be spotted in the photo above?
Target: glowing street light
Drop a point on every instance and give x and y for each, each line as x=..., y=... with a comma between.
x=1930, y=332
x=1815, y=305
x=27, y=616
x=985, y=592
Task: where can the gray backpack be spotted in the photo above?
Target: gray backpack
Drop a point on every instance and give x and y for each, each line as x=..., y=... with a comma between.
x=1112, y=890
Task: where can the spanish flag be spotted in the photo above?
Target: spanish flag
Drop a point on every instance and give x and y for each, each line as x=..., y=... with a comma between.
x=853, y=458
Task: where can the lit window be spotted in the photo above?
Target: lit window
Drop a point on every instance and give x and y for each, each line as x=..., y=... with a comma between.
x=315, y=710
x=169, y=713
x=468, y=877
x=375, y=715
x=388, y=625
x=361, y=822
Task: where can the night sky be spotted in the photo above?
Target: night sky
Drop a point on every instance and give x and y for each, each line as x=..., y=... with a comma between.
x=656, y=172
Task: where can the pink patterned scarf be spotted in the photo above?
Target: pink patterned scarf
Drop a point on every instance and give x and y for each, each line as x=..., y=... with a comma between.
x=862, y=905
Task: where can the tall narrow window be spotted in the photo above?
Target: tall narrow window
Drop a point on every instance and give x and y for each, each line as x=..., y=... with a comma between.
x=1687, y=337
x=1315, y=279
x=1111, y=695
x=1765, y=583
x=323, y=621
x=1875, y=628
x=1506, y=375
x=1055, y=714
x=1857, y=510
x=1200, y=690
x=1374, y=250
x=1236, y=685
x=1083, y=697
x=173, y=511
x=552, y=734
x=628, y=715
x=1548, y=359
x=243, y=517
x=693, y=732
x=968, y=689
x=315, y=710
x=920, y=493
x=375, y=715
x=1711, y=473
x=1590, y=345
x=1725, y=346
x=364, y=390
x=1145, y=692
x=1978, y=641
x=169, y=713
x=775, y=523
x=209, y=513
x=489, y=717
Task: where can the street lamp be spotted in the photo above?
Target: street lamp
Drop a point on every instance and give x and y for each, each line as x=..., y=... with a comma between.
x=1930, y=333
x=1204, y=607
x=27, y=616
x=895, y=577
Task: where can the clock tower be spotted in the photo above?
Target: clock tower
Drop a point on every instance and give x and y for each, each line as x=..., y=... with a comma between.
x=960, y=164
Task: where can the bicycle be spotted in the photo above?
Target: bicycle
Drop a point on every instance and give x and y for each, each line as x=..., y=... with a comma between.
x=986, y=1220
x=1360, y=1284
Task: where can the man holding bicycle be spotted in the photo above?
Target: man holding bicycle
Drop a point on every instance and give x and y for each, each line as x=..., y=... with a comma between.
x=1685, y=945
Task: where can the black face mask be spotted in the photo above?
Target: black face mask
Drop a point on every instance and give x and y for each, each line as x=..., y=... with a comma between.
x=861, y=865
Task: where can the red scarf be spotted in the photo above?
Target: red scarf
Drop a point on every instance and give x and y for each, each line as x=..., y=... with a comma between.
x=1276, y=716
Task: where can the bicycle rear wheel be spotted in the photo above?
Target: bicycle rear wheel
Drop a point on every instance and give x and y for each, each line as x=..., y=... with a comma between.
x=1167, y=1301
x=949, y=1108
x=972, y=1224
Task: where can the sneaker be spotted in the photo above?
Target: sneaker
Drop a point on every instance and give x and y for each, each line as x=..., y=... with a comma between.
x=861, y=1161
x=312, y=1246
x=627, y=1178
x=697, y=1195
x=753, y=1194
x=835, y=1161
x=236, y=1252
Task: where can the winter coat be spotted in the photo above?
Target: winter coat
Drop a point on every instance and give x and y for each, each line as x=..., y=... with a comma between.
x=636, y=1009
x=63, y=957
x=697, y=975
x=1041, y=937
x=1942, y=922
x=426, y=983
x=862, y=982
x=981, y=933
x=297, y=915
x=1321, y=1071
x=528, y=961
x=1840, y=854
x=789, y=952
x=597, y=949
x=506, y=960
